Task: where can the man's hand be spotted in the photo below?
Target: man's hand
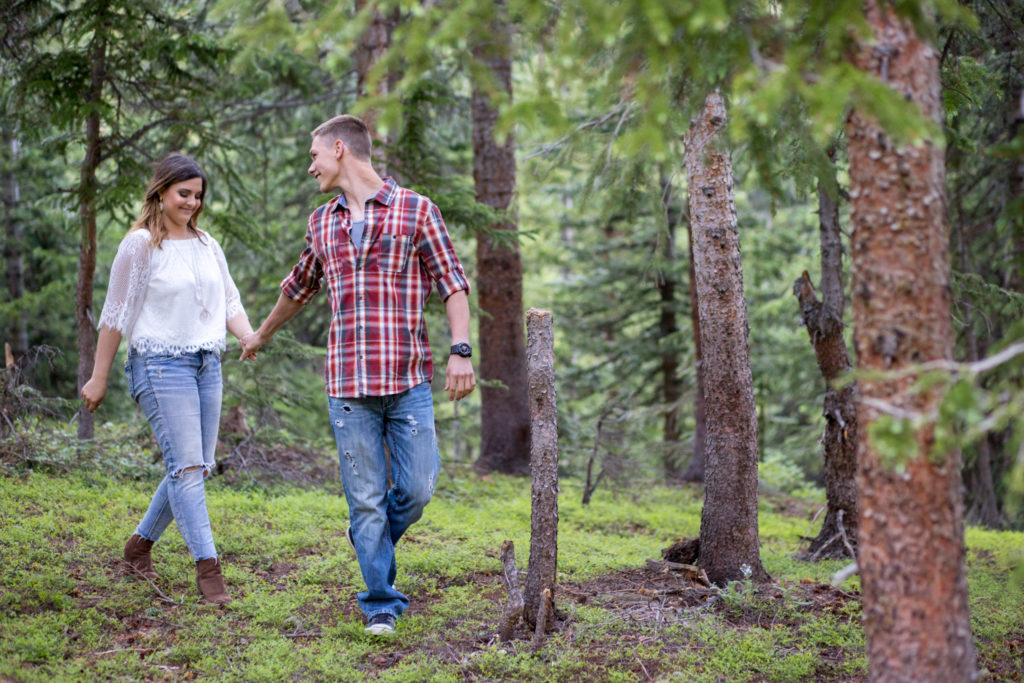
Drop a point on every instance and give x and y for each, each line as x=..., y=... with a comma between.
x=93, y=393
x=251, y=343
x=460, y=378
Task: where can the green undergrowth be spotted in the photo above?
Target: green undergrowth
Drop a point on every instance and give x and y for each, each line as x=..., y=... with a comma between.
x=68, y=612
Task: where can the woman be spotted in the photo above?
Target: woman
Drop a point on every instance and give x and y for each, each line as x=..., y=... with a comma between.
x=171, y=295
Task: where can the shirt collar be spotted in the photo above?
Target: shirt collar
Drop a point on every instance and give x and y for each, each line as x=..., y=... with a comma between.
x=385, y=196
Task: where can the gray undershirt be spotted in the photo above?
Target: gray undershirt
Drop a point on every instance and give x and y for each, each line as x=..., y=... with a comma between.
x=356, y=233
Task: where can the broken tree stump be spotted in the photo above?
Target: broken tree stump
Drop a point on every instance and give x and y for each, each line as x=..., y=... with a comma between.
x=544, y=613
x=540, y=576
x=514, y=608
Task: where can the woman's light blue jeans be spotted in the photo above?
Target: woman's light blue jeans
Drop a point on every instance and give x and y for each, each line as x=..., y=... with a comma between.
x=379, y=515
x=180, y=395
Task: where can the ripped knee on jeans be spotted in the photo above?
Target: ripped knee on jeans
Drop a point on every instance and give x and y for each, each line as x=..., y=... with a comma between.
x=206, y=468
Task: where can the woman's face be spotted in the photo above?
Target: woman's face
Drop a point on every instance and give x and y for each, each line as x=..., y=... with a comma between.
x=182, y=200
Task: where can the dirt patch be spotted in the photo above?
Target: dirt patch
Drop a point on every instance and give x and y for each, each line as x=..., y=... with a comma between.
x=251, y=462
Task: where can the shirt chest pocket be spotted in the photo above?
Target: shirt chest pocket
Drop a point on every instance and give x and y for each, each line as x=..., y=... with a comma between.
x=393, y=252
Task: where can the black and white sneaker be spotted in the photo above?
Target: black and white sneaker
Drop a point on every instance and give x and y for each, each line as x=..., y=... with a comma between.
x=381, y=624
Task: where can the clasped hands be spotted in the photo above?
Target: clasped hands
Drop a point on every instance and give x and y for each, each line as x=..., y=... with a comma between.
x=251, y=343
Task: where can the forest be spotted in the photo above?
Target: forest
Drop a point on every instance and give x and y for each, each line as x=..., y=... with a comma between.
x=782, y=248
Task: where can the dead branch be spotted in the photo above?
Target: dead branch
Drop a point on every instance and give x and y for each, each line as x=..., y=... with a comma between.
x=690, y=572
x=842, y=533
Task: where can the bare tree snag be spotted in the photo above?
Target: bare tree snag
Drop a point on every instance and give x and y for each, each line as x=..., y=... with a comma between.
x=911, y=539
x=839, y=443
x=504, y=411
x=540, y=575
x=728, y=528
x=510, y=576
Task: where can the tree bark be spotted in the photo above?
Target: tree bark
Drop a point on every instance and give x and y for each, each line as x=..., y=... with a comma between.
x=911, y=543
x=505, y=414
x=728, y=529
x=88, y=189
x=695, y=469
x=13, y=246
x=671, y=388
x=372, y=47
x=541, y=574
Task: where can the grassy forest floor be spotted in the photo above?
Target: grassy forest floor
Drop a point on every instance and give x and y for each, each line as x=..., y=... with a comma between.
x=70, y=612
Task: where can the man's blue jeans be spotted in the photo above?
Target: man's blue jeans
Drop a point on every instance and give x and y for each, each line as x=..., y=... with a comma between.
x=180, y=395
x=379, y=515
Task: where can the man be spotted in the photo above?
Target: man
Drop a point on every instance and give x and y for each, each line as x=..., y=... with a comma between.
x=379, y=247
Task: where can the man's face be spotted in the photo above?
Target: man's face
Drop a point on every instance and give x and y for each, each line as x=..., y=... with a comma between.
x=326, y=162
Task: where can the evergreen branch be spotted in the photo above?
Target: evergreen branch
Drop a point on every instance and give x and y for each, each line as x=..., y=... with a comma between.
x=617, y=110
x=136, y=136
x=264, y=107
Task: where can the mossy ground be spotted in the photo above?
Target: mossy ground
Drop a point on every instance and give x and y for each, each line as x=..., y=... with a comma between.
x=69, y=612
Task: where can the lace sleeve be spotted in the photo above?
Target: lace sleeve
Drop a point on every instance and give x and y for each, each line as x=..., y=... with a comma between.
x=129, y=276
x=232, y=299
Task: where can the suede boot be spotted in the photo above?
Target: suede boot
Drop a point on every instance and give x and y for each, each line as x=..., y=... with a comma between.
x=136, y=554
x=210, y=581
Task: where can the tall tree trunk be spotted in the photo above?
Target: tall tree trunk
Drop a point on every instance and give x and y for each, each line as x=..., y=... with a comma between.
x=824, y=321
x=505, y=413
x=373, y=45
x=88, y=188
x=728, y=528
x=911, y=541
x=1016, y=181
x=671, y=389
x=977, y=475
x=13, y=246
x=542, y=574
x=695, y=469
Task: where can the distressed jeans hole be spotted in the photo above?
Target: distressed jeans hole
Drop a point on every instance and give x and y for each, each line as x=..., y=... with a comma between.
x=178, y=474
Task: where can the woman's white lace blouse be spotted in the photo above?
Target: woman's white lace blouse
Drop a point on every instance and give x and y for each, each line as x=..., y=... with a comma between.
x=173, y=299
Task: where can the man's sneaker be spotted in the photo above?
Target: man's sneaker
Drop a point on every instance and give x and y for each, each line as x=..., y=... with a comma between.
x=381, y=624
x=348, y=537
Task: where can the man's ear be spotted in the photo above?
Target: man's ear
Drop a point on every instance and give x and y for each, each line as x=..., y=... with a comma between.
x=339, y=149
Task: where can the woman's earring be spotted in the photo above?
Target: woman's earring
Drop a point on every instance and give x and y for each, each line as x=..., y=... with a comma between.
x=161, y=200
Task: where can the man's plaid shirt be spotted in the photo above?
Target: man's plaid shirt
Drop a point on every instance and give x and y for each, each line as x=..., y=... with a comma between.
x=377, y=343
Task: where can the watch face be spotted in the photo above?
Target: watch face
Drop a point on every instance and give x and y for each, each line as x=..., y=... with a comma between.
x=462, y=349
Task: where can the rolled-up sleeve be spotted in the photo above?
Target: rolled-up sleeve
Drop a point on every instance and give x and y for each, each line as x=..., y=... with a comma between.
x=306, y=277
x=438, y=255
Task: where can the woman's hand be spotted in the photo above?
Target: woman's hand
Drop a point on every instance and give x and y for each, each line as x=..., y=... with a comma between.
x=93, y=393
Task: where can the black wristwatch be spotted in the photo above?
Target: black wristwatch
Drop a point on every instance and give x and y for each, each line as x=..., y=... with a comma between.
x=461, y=349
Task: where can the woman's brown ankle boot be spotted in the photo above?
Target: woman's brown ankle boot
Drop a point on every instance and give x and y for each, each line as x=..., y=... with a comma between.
x=210, y=581
x=136, y=554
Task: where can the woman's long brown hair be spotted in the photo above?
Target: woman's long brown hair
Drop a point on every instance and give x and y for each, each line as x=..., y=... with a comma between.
x=174, y=168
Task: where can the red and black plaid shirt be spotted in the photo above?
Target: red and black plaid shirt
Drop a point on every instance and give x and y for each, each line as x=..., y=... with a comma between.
x=377, y=343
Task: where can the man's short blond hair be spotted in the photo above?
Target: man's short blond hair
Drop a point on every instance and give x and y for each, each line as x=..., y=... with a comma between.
x=350, y=130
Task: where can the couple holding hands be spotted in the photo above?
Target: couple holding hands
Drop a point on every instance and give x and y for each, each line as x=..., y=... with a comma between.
x=379, y=248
